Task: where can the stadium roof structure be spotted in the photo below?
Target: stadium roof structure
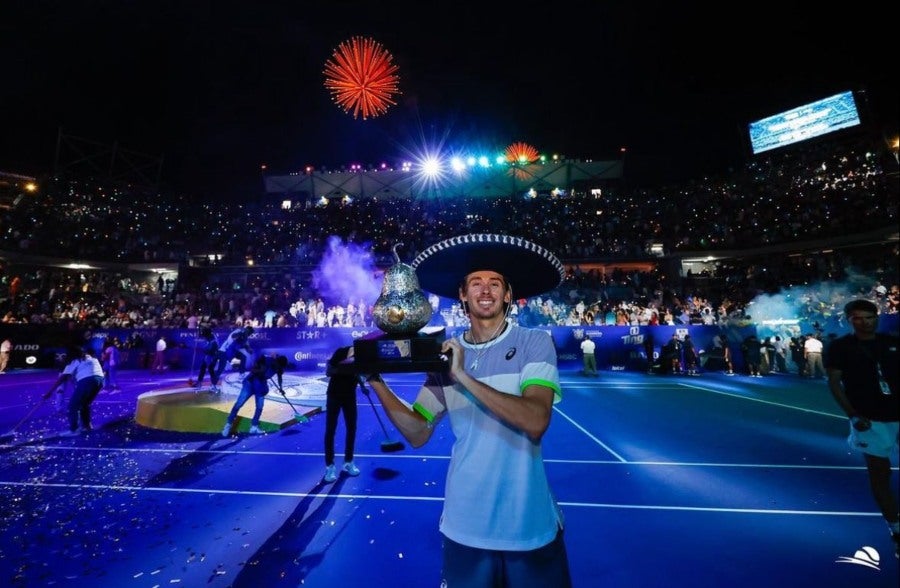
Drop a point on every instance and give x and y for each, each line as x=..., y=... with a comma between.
x=494, y=181
x=79, y=156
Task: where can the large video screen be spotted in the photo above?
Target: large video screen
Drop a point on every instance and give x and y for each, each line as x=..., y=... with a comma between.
x=804, y=122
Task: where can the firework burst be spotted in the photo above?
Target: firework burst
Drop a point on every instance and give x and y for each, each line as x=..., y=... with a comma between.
x=361, y=77
x=521, y=153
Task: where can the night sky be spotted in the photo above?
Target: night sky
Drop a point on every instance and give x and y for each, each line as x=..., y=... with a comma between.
x=219, y=88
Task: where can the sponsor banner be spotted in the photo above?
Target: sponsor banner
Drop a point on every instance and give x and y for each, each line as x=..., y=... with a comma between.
x=308, y=349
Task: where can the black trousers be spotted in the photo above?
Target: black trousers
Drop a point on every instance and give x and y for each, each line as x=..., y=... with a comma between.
x=208, y=363
x=86, y=390
x=334, y=405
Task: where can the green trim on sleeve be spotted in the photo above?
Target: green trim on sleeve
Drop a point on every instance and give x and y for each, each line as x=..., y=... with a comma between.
x=557, y=391
x=424, y=412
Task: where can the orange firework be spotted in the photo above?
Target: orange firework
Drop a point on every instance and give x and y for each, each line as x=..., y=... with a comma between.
x=361, y=77
x=521, y=153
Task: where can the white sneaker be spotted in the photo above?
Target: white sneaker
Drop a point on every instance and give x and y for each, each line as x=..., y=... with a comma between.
x=226, y=430
x=330, y=474
x=350, y=469
x=254, y=430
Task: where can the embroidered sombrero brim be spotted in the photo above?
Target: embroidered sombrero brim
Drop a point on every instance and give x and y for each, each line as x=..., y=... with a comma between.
x=529, y=268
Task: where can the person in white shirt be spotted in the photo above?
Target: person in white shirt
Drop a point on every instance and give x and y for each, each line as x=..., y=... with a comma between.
x=159, y=359
x=5, y=351
x=812, y=352
x=590, y=360
x=782, y=348
x=87, y=373
x=236, y=346
x=109, y=359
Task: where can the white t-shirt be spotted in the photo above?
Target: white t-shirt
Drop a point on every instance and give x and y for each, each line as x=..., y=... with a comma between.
x=497, y=494
x=80, y=369
x=813, y=345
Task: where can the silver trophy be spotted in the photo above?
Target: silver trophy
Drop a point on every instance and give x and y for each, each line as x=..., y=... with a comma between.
x=401, y=312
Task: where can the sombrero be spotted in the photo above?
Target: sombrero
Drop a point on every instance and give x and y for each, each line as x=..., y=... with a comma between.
x=529, y=268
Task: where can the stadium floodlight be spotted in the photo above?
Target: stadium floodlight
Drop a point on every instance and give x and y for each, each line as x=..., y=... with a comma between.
x=79, y=266
x=431, y=167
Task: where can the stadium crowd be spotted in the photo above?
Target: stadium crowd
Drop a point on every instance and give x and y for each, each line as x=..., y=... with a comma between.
x=836, y=187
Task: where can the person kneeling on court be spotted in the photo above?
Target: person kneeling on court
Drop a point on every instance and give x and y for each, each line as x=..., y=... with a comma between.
x=256, y=384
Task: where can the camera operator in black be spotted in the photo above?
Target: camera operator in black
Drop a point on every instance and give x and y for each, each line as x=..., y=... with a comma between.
x=670, y=356
x=340, y=397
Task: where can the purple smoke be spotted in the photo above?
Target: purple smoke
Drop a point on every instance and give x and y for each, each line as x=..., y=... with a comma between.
x=347, y=273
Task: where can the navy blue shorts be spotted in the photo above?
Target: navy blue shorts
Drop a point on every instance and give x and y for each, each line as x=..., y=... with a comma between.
x=469, y=567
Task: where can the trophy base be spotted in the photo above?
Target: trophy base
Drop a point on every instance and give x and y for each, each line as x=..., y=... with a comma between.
x=382, y=353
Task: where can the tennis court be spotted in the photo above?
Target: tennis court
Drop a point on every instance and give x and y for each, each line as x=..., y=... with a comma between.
x=664, y=481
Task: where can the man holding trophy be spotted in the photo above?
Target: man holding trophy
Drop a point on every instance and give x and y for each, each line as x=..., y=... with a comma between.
x=501, y=524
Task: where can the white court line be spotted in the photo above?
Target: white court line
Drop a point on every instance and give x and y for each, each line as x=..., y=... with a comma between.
x=325, y=495
x=779, y=404
x=590, y=436
x=838, y=513
x=190, y=450
x=700, y=464
x=713, y=390
x=418, y=456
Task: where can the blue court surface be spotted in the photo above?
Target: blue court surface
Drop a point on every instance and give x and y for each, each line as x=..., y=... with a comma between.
x=665, y=481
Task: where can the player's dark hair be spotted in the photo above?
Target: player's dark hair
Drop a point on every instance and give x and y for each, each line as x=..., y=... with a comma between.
x=862, y=305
